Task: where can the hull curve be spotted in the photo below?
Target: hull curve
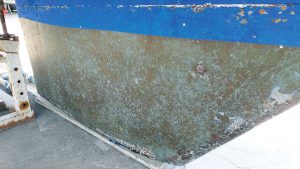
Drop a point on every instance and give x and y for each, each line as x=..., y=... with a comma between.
x=172, y=97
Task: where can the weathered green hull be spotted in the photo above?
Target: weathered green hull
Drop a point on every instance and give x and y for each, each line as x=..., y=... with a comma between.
x=149, y=91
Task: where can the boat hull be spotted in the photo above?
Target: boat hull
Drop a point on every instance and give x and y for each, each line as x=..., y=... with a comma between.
x=166, y=97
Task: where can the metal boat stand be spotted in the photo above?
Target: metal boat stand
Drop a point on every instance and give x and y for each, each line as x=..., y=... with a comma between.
x=9, y=46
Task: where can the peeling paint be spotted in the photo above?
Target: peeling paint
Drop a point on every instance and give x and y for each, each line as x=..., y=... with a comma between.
x=283, y=7
x=250, y=13
x=209, y=5
x=199, y=6
x=223, y=14
x=278, y=20
x=263, y=12
x=241, y=13
x=48, y=7
x=243, y=21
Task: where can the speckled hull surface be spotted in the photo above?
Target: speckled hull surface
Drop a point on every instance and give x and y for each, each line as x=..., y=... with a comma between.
x=174, y=98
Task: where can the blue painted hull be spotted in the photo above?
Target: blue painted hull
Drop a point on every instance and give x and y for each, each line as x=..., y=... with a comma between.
x=264, y=22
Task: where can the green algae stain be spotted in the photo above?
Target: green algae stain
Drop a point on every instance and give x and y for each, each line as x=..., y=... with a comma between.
x=147, y=91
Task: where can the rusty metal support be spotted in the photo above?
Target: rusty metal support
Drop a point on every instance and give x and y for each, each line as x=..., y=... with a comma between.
x=9, y=52
x=9, y=47
x=3, y=23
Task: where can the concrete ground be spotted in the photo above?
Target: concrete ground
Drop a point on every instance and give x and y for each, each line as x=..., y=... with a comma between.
x=49, y=142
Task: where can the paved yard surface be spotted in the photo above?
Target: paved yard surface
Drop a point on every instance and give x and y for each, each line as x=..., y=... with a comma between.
x=49, y=142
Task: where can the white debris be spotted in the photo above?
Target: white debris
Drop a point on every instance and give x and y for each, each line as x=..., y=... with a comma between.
x=280, y=98
x=236, y=124
x=136, y=81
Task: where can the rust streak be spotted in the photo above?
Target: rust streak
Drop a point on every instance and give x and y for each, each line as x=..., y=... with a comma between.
x=14, y=123
x=23, y=105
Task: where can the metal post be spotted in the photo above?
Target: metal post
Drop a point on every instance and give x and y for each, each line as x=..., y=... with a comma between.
x=3, y=23
x=17, y=82
x=9, y=47
x=5, y=34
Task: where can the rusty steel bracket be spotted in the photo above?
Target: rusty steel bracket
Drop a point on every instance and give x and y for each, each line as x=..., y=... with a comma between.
x=9, y=47
x=22, y=110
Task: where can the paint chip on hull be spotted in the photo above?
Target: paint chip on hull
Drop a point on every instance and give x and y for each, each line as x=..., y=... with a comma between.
x=263, y=12
x=244, y=21
x=278, y=20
